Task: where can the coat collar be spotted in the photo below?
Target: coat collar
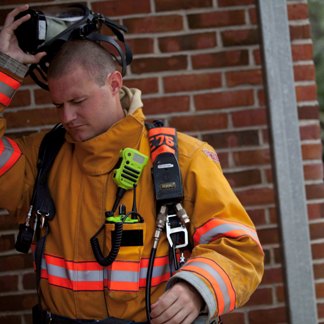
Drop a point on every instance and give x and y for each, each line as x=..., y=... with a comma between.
x=100, y=154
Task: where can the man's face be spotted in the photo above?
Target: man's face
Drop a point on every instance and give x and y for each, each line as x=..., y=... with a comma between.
x=85, y=108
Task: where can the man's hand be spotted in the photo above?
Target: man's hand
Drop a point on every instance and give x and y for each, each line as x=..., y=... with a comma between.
x=8, y=41
x=180, y=304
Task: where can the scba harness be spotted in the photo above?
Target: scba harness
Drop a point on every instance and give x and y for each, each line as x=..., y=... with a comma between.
x=167, y=181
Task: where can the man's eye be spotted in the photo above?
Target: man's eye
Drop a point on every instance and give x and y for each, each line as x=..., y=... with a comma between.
x=78, y=101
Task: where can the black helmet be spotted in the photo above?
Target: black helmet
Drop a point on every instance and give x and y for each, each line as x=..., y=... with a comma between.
x=48, y=29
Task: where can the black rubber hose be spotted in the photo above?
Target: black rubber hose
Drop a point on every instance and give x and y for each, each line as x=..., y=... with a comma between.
x=148, y=284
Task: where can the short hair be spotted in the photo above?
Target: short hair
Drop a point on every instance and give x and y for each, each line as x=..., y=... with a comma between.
x=94, y=58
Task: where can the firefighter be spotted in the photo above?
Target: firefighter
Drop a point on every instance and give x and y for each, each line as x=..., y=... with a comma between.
x=101, y=116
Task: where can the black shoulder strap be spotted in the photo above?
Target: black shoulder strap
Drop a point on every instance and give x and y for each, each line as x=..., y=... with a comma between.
x=42, y=202
x=52, y=142
x=165, y=171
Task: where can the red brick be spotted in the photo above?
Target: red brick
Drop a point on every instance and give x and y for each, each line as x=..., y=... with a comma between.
x=35, y=117
x=281, y=294
x=319, y=290
x=300, y=32
x=309, y=112
x=29, y=281
x=141, y=45
x=11, y=319
x=232, y=139
x=313, y=171
x=320, y=308
x=253, y=16
x=269, y=236
x=120, y=8
x=147, y=85
x=7, y=222
x=268, y=316
x=231, y=318
x=312, y=151
x=171, y=5
x=278, y=255
x=7, y=242
x=252, y=117
x=224, y=159
x=258, y=216
x=315, y=211
x=216, y=19
x=154, y=24
x=298, y=11
x=240, y=37
x=17, y=262
x=306, y=93
x=159, y=64
x=17, y=302
x=316, y=229
x=192, y=82
x=318, y=250
x=42, y=97
x=302, y=52
x=220, y=59
x=21, y=99
x=199, y=122
x=261, y=296
x=318, y=270
x=244, y=178
x=272, y=276
x=9, y=283
x=310, y=132
x=256, y=196
x=304, y=72
x=252, y=157
x=166, y=105
x=219, y=100
x=246, y=77
x=187, y=42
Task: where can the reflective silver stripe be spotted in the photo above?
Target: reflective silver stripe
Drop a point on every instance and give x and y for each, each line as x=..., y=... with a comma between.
x=220, y=281
x=124, y=276
x=6, y=90
x=226, y=228
x=158, y=271
x=7, y=152
x=75, y=275
x=101, y=275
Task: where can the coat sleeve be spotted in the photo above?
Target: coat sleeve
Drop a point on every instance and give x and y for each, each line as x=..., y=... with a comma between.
x=226, y=263
x=17, y=173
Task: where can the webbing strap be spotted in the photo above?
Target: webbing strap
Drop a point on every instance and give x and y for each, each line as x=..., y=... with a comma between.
x=42, y=201
x=162, y=140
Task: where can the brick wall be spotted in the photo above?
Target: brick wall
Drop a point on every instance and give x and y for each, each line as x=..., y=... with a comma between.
x=198, y=64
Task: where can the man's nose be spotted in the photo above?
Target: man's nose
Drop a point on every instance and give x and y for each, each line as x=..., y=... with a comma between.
x=68, y=114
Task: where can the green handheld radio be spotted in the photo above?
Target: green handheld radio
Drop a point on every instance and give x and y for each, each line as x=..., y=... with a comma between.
x=130, y=169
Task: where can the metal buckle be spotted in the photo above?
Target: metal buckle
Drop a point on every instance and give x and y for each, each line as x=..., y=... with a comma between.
x=171, y=231
x=42, y=217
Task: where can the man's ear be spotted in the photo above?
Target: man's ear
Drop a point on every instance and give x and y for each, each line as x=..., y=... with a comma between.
x=115, y=80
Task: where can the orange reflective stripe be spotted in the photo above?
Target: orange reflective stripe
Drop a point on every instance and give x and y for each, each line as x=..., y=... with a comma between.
x=4, y=99
x=8, y=80
x=216, y=227
x=8, y=86
x=9, y=154
x=220, y=283
x=89, y=275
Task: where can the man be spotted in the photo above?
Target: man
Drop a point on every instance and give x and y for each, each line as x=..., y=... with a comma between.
x=101, y=117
